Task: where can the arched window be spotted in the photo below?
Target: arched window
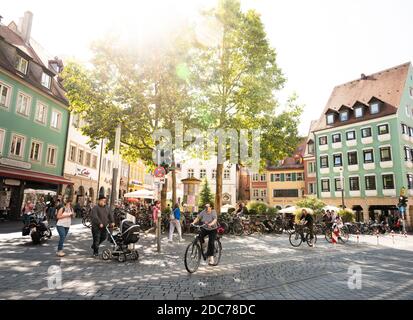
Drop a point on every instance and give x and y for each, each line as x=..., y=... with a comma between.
x=92, y=194
x=69, y=192
x=101, y=192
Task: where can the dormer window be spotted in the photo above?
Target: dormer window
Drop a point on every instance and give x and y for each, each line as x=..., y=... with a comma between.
x=343, y=116
x=375, y=107
x=358, y=112
x=311, y=147
x=22, y=64
x=330, y=118
x=46, y=80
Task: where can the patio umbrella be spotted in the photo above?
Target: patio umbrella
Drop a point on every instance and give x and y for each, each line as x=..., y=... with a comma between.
x=140, y=194
x=224, y=208
x=331, y=208
x=310, y=211
x=290, y=210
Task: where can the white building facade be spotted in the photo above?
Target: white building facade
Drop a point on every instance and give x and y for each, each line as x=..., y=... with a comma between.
x=81, y=165
x=201, y=169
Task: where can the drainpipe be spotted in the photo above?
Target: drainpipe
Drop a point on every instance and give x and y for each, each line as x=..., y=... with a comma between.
x=60, y=188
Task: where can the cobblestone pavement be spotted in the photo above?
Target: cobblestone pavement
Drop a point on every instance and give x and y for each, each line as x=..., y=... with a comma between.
x=257, y=267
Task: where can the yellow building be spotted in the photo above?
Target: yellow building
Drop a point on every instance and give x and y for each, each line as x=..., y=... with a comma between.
x=137, y=172
x=285, y=181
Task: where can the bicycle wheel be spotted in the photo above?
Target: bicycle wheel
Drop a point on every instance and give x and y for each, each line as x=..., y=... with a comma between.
x=328, y=236
x=261, y=229
x=308, y=240
x=237, y=229
x=192, y=257
x=278, y=228
x=289, y=229
x=217, y=252
x=295, y=239
x=344, y=235
x=106, y=254
x=86, y=221
x=225, y=226
x=248, y=229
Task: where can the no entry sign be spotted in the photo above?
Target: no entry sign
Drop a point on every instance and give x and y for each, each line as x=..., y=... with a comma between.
x=159, y=172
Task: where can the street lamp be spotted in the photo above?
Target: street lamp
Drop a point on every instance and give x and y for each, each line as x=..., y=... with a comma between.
x=342, y=187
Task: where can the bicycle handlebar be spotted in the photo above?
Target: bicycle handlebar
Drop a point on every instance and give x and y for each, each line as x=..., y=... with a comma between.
x=199, y=226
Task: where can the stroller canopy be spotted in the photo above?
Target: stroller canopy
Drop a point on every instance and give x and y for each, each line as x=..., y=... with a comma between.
x=129, y=232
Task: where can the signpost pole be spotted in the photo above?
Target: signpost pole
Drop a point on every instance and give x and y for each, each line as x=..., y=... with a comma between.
x=159, y=174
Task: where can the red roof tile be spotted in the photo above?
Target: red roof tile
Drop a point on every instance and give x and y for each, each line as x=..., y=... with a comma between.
x=387, y=85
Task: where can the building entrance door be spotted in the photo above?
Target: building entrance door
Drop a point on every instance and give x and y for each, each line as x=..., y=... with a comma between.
x=15, y=203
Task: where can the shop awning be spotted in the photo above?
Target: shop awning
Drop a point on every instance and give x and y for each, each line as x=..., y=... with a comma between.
x=32, y=176
x=140, y=194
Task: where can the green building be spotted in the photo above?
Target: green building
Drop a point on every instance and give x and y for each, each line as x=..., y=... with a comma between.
x=33, y=121
x=364, y=143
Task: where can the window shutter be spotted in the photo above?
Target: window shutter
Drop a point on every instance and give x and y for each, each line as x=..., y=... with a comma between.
x=282, y=177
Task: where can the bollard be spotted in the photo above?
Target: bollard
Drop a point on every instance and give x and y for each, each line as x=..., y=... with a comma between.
x=392, y=235
x=358, y=237
x=158, y=234
x=377, y=239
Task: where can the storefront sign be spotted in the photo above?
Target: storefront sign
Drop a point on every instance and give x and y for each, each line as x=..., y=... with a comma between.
x=12, y=182
x=15, y=163
x=82, y=172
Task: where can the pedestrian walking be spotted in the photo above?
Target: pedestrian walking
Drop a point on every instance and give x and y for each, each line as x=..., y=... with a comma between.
x=64, y=220
x=101, y=216
x=40, y=207
x=175, y=222
x=156, y=211
x=27, y=211
x=78, y=210
x=51, y=209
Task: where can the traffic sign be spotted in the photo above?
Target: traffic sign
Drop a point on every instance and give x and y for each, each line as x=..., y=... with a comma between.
x=159, y=172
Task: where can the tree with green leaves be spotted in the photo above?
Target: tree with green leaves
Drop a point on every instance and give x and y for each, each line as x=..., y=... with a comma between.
x=205, y=196
x=312, y=203
x=236, y=80
x=142, y=90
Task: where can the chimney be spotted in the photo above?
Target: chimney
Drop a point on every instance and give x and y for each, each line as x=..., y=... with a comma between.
x=363, y=76
x=26, y=26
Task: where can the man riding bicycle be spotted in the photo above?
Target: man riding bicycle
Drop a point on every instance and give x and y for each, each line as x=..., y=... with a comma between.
x=208, y=217
x=308, y=221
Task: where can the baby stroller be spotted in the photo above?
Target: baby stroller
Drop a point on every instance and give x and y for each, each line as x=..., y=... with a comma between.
x=128, y=235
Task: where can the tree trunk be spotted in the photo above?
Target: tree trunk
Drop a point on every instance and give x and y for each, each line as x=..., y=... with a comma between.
x=173, y=180
x=218, y=190
x=164, y=191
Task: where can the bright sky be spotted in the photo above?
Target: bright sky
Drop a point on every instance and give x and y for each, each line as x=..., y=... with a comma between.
x=320, y=43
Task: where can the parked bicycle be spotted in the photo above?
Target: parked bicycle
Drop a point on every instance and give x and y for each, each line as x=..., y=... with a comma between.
x=86, y=218
x=343, y=234
x=196, y=250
